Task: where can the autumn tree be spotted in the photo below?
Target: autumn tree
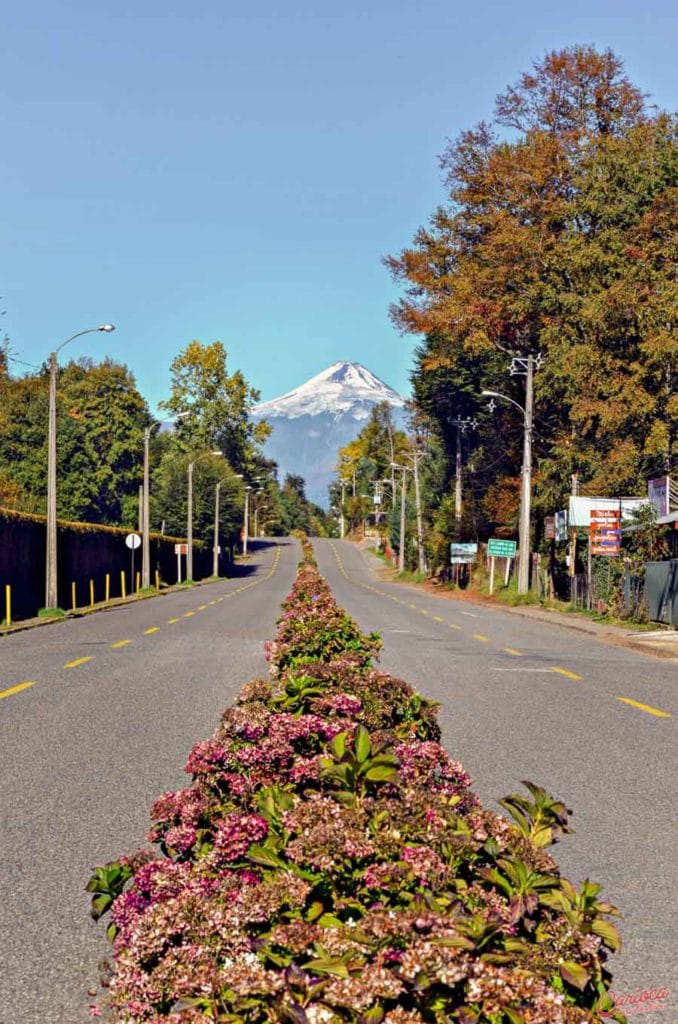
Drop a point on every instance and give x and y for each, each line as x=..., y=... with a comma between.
x=558, y=237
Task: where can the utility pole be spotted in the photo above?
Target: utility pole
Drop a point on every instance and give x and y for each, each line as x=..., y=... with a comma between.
x=215, y=549
x=523, y=366
x=421, y=554
x=145, y=538
x=342, y=521
x=189, y=526
x=462, y=426
x=401, y=544
x=526, y=491
x=246, y=521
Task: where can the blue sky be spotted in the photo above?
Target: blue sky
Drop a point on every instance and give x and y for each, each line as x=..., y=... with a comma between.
x=232, y=171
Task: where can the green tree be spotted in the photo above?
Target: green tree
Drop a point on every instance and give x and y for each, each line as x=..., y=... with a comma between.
x=212, y=407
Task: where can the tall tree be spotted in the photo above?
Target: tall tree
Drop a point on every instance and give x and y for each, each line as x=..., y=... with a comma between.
x=558, y=237
x=212, y=406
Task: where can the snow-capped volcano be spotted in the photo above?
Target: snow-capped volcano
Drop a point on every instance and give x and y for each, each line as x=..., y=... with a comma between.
x=312, y=422
x=343, y=388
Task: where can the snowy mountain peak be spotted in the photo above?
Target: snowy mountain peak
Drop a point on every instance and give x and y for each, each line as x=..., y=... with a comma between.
x=343, y=388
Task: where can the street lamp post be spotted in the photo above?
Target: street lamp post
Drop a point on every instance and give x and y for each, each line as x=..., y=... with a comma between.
x=246, y=521
x=51, y=599
x=215, y=551
x=189, y=518
x=145, y=532
x=526, y=482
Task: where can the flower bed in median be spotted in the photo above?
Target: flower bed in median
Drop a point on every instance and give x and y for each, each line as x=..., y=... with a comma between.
x=330, y=863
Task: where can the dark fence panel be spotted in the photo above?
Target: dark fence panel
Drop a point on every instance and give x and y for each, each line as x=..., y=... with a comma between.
x=85, y=552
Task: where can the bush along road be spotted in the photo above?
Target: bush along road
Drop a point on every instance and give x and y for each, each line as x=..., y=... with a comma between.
x=329, y=862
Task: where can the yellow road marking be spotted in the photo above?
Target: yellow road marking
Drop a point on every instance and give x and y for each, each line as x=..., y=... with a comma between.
x=565, y=672
x=187, y=615
x=202, y=607
x=121, y=643
x=453, y=625
x=172, y=621
x=211, y=602
x=423, y=611
x=15, y=689
x=413, y=606
x=634, y=703
x=438, y=618
x=512, y=650
x=479, y=636
x=78, y=661
x=153, y=629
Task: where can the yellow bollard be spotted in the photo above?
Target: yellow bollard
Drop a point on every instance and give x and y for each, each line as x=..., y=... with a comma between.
x=91, y=593
x=123, y=584
x=138, y=584
x=8, y=604
x=73, y=598
x=108, y=587
x=157, y=581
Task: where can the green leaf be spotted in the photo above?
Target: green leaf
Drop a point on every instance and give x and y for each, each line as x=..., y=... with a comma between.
x=380, y=773
x=265, y=856
x=330, y=921
x=334, y=966
x=608, y=933
x=362, y=743
x=338, y=745
x=574, y=974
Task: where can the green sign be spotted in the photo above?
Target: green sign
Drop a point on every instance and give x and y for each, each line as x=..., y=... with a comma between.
x=499, y=548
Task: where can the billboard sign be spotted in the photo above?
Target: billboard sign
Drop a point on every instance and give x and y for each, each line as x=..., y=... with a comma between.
x=561, y=526
x=605, y=531
x=549, y=527
x=463, y=554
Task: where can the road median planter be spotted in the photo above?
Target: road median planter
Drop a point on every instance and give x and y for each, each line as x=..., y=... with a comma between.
x=329, y=862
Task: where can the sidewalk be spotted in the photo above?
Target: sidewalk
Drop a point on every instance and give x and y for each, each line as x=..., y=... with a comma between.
x=661, y=642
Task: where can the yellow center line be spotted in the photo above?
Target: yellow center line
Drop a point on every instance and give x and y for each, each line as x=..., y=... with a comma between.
x=15, y=689
x=438, y=618
x=453, y=625
x=413, y=606
x=512, y=650
x=635, y=704
x=565, y=672
x=153, y=629
x=171, y=622
x=202, y=607
x=423, y=611
x=211, y=602
x=121, y=643
x=483, y=639
x=78, y=661
x=187, y=615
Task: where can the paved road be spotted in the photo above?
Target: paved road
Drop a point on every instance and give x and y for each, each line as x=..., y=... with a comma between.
x=116, y=701
x=527, y=700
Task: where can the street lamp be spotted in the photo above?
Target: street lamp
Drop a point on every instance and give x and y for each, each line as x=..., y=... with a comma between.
x=189, y=517
x=526, y=483
x=215, y=551
x=51, y=599
x=246, y=521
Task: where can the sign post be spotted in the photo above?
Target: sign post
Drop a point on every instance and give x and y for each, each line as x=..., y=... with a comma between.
x=133, y=541
x=179, y=550
x=497, y=547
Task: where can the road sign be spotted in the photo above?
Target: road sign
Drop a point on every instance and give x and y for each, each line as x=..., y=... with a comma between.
x=604, y=515
x=549, y=527
x=463, y=554
x=133, y=541
x=181, y=549
x=497, y=547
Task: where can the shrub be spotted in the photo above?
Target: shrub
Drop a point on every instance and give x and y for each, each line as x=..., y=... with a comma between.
x=329, y=862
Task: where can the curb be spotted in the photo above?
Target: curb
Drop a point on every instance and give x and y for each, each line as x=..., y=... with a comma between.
x=605, y=634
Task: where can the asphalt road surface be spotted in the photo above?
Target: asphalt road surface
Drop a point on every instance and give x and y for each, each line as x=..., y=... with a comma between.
x=117, y=699
x=98, y=715
x=593, y=724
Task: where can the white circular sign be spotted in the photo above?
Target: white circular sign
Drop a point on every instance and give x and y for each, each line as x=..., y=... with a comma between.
x=133, y=541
